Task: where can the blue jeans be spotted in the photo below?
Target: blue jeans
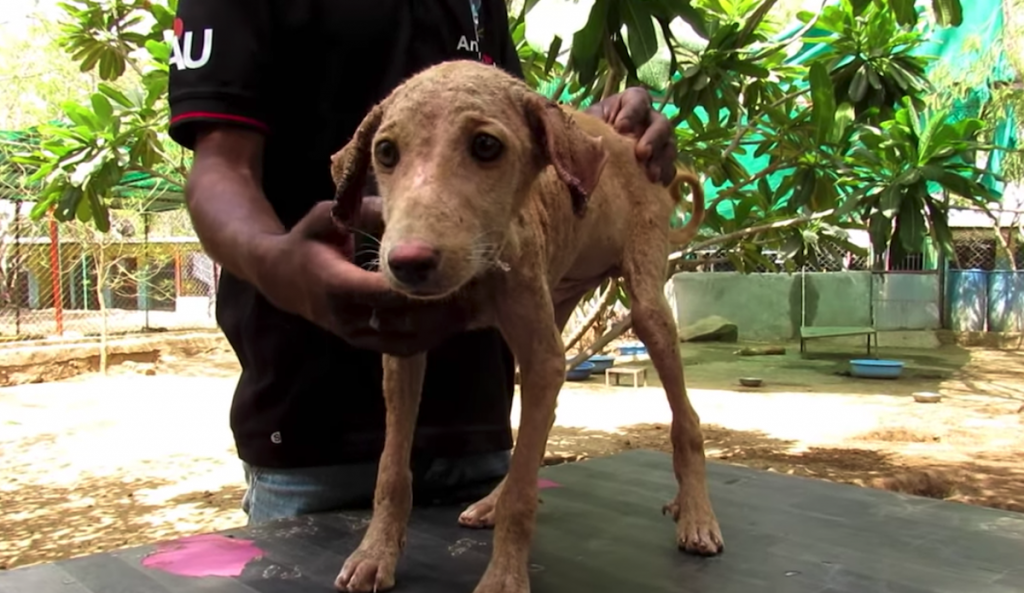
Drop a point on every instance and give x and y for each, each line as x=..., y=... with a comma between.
x=277, y=493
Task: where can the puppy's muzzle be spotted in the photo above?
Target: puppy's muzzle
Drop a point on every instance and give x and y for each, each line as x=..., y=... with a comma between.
x=413, y=263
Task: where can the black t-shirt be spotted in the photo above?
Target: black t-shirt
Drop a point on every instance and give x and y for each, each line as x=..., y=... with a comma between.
x=305, y=72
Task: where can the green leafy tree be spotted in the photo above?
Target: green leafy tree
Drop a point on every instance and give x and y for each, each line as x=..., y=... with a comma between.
x=35, y=73
x=802, y=134
x=121, y=128
x=779, y=139
x=118, y=264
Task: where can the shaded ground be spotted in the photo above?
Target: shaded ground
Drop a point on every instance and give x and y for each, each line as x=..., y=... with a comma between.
x=95, y=463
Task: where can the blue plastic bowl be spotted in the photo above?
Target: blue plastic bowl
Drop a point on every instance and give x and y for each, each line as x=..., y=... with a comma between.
x=580, y=373
x=876, y=369
x=602, y=362
x=634, y=349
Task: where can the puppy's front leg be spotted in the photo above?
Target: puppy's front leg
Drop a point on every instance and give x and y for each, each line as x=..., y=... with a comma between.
x=480, y=515
x=372, y=566
x=528, y=324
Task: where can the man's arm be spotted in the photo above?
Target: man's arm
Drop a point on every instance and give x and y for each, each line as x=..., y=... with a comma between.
x=224, y=195
x=217, y=111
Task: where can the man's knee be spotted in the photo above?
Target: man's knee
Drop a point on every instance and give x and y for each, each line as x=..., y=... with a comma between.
x=462, y=479
x=282, y=493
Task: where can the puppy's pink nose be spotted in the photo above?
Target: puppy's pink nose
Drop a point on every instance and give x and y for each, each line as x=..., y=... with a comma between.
x=412, y=262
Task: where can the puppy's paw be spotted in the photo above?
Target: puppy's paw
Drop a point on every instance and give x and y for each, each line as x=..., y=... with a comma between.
x=503, y=581
x=479, y=515
x=368, y=571
x=697, y=530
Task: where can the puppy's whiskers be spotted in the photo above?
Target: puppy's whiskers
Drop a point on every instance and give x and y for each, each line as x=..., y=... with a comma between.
x=366, y=235
x=373, y=252
x=372, y=265
x=487, y=255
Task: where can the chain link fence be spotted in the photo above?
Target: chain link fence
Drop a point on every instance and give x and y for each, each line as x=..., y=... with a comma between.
x=982, y=249
x=831, y=260
x=975, y=249
x=67, y=280
x=827, y=258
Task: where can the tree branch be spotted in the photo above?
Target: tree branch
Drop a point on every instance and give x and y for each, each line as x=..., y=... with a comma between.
x=779, y=224
x=1000, y=238
x=617, y=330
x=159, y=175
x=731, y=191
x=796, y=37
x=563, y=80
x=615, y=70
x=607, y=299
x=751, y=124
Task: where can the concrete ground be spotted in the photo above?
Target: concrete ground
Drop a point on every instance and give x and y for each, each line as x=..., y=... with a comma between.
x=95, y=463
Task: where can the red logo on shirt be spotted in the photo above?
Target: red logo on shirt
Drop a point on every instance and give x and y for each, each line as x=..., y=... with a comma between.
x=179, y=27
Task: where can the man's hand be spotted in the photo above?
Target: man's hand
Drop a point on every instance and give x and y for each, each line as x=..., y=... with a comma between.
x=310, y=272
x=631, y=113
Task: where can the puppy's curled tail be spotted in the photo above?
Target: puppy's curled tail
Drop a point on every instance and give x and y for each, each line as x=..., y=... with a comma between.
x=682, y=237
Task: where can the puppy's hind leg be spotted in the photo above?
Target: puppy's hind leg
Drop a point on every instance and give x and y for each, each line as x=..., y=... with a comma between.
x=697, y=528
x=372, y=566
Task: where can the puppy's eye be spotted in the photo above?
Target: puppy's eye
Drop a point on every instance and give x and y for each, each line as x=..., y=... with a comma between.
x=486, y=148
x=386, y=153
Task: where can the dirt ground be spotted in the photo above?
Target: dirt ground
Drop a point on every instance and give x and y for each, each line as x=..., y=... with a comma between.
x=96, y=463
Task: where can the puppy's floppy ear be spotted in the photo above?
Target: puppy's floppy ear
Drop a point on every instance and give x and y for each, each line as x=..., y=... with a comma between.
x=578, y=157
x=349, y=167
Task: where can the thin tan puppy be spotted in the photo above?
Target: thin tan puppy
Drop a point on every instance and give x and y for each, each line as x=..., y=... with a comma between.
x=495, y=195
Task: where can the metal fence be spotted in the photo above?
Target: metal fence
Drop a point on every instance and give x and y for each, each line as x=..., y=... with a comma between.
x=983, y=249
x=826, y=260
x=981, y=289
x=68, y=280
x=984, y=289
x=974, y=248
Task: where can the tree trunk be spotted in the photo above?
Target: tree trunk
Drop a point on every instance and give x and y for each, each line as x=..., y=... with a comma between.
x=101, y=281
x=607, y=300
x=616, y=71
x=1013, y=41
x=617, y=330
x=1004, y=244
x=743, y=233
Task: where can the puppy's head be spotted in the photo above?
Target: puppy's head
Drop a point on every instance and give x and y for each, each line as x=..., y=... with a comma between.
x=455, y=151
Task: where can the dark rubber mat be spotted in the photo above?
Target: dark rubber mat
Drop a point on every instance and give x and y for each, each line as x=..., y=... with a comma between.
x=601, y=530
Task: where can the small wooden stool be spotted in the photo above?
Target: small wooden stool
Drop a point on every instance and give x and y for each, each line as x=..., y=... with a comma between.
x=637, y=372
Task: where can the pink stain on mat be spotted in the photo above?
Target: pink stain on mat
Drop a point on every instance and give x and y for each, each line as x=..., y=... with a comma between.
x=203, y=556
x=543, y=483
